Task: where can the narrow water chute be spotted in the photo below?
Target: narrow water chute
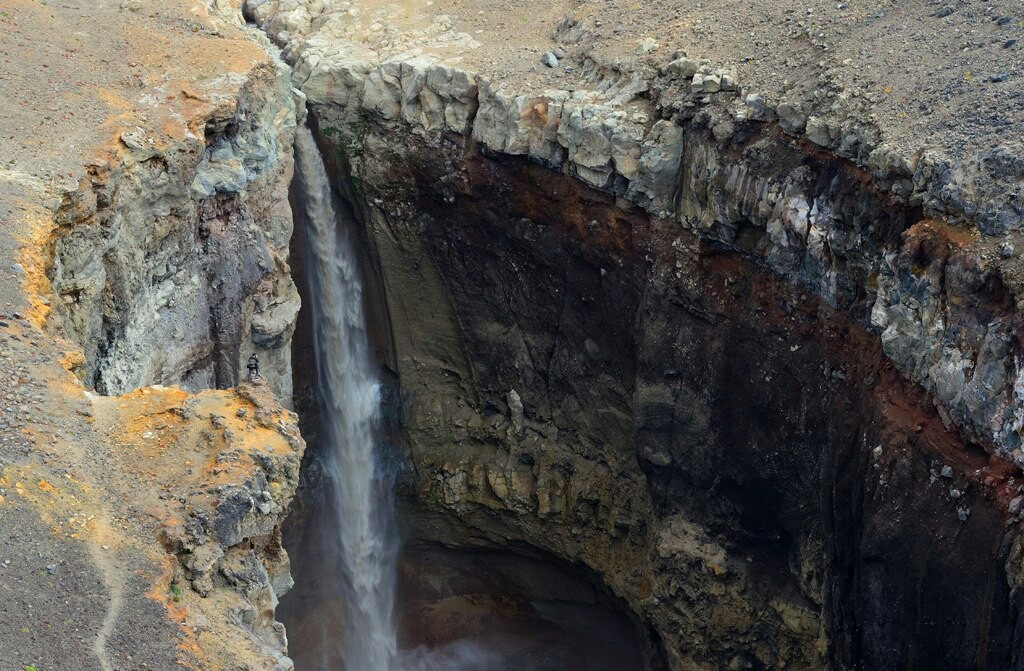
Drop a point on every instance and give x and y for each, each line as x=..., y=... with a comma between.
x=350, y=398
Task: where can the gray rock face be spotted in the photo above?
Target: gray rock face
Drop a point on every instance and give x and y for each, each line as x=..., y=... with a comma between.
x=684, y=68
x=171, y=263
x=791, y=118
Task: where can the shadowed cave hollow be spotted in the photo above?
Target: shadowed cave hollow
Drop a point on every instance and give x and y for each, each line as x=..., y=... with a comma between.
x=783, y=509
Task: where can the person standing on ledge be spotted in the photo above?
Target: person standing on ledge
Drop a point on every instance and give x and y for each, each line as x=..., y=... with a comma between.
x=254, y=368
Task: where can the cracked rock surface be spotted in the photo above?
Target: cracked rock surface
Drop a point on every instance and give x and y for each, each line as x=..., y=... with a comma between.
x=698, y=308
x=634, y=130
x=143, y=196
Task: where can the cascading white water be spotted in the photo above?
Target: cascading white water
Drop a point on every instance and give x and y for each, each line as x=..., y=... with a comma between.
x=350, y=399
x=358, y=492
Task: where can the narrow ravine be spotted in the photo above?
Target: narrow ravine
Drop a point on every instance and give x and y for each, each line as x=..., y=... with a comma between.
x=356, y=490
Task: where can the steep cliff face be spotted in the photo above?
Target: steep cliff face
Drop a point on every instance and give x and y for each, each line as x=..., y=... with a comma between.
x=171, y=256
x=226, y=466
x=733, y=455
x=757, y=375
x=144, y=204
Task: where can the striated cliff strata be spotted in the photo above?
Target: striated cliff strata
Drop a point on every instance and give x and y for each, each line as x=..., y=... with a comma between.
x=750, y=365
x=143, y=197
x=170, y=258
x=627, y=135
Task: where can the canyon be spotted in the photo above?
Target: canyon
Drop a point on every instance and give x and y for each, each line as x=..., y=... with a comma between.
x=695, y=331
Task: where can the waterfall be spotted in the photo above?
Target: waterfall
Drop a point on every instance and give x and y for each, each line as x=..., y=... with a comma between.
x=357, y=489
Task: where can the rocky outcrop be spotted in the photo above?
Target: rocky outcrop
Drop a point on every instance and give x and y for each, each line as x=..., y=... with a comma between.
x=228, y=542
x=171, y=258
x=144, y=199
x=652, y=326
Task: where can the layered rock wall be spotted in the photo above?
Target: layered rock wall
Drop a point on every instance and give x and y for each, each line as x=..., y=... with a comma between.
x=752, y=369
x=171, y=260
x=719, y=182
x=144, y=201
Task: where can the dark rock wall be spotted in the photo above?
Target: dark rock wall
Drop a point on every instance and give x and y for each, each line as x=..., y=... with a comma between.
x=731, y=454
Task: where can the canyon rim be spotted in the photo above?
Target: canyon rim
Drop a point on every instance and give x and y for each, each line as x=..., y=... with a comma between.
x=691, y=336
